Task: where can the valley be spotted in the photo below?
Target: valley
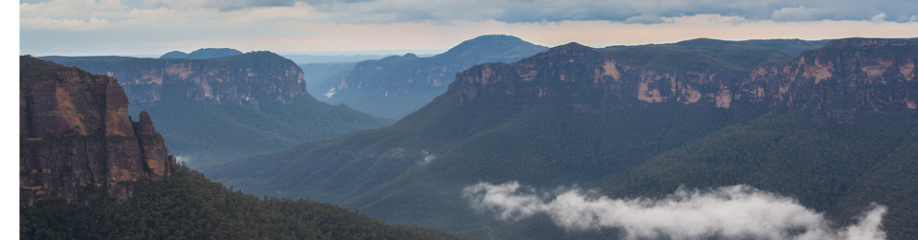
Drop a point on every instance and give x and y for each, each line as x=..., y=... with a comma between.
x=801, y=139
x=632, y=122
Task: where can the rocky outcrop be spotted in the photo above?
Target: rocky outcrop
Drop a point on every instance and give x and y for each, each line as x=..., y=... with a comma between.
x=250, y=78
x=852, y=77
x=594, y=80
x=77, y=142
x=840, y=81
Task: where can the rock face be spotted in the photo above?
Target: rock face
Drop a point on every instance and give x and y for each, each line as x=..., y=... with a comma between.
x=852, y=77
x=845, y=79
x=77, y=141
x=249, y=78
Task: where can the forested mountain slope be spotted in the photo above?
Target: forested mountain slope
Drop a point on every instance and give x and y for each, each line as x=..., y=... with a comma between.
x=826, y=128
x=216, y=109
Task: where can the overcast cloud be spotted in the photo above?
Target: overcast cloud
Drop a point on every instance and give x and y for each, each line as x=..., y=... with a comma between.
x=734, y=212
x=76, y=26
x=509, y=11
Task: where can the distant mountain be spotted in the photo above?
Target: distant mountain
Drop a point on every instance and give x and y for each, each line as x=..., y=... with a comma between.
x=318, y=76
x=831, y=128
x=304, y=59
x=218, y=109
x=77, y=142
x=398, y=85
x=202, y=53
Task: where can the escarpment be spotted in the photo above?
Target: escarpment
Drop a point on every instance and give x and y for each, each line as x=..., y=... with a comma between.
x=253, y=78
x=77, y=142
x=841, y=81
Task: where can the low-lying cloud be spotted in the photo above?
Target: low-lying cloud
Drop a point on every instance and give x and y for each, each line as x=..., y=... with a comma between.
x=182, y=159
x=734, y=212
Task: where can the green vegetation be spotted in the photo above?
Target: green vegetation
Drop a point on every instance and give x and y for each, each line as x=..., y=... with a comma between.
x=626, y=148
x=203, y=132
x=187, y=205
x=208, y=133
x=746, y=53
x=834, y=168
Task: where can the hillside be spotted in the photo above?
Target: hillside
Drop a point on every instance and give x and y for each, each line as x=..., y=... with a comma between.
x=632, y=122
x=218, y=109
x=87, y=171
x=398, y=85
x=187, y=205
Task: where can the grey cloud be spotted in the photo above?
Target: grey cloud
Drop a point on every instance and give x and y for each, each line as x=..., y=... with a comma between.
x=735, y=212
x=645, y=19
x=630, y=11
x=799, y=13
x=222, y=5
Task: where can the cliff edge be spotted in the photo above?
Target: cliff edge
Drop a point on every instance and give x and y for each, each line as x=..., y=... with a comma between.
x=77, y=142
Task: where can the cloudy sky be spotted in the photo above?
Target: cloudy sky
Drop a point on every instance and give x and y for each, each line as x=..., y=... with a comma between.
x=153, y=27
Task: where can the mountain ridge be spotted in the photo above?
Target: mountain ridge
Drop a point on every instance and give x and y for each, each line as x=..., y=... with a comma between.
x=577, y=115
x=202, y=53
x=397, y=85
x=218, y=109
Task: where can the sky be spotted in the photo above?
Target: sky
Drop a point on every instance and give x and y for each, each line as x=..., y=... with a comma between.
x=154, y=27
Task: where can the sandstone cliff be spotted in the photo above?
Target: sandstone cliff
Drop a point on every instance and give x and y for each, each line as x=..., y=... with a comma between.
x=852, y=77
x=77, y=142
x=840, y=81
x=250, y=78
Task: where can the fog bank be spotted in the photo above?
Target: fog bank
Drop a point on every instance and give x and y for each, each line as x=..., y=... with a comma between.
x=734, y=212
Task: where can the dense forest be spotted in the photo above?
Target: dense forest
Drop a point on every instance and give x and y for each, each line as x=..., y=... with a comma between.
x=187, y=205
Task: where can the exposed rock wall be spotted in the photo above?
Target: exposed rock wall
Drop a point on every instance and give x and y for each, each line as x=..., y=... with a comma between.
x=847, y=78
x=852, y=77
x=252, y=78
x=77, y=141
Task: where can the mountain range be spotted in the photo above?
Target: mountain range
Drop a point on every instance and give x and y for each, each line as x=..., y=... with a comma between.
x=398, y=85
x=88, y=171
x=831, y=128
x=217, y=109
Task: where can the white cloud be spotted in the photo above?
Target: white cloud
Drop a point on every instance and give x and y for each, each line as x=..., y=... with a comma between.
x=878, y=18
x=799, y=13
x=645, y=19
x=183, y=159
x=427, y=157
x=735, y=212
